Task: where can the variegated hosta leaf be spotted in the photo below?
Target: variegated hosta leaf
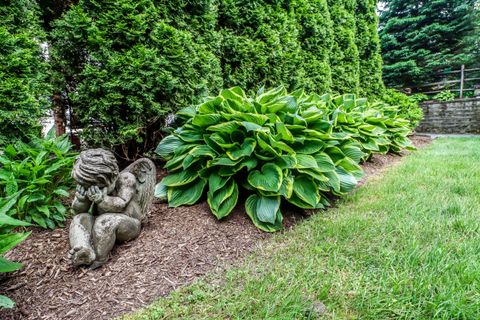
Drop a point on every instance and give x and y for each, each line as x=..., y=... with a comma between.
x=306, y=189
x=252, y=206
x=222, y=196
x=268, y=179
x=187, y=194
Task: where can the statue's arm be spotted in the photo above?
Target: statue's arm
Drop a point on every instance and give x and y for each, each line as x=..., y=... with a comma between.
x=118, y=204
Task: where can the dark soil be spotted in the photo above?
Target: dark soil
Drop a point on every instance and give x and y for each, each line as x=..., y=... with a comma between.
x=175, y=247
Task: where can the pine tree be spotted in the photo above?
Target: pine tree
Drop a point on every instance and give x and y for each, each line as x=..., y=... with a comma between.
x=421, y=37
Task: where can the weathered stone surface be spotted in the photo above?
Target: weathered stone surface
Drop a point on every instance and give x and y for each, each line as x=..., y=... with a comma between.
x=109, y=204
x=460, y=116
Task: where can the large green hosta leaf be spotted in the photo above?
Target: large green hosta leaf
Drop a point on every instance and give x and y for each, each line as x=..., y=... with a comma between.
x=168, y=145
x=324, y=162
x=306, y=189
x=353, y=152
x=347, y=181
x=225, y=127
x=254, y=205
x=284, y=133
x=305, y=161
x=235, y=94
x=180, y=178
x=161, y=192
x=267, y=208
x=245, y=150
x=186, y=194
x=266, y=146
x=268, y=179
x=222, y=196
x=206, y=120
x=351, y=167
x=310, y=146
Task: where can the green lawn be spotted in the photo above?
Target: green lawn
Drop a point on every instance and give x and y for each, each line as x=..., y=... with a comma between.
x=406, y=246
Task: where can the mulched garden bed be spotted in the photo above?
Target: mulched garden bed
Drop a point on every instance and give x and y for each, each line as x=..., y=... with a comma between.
x=175, y=247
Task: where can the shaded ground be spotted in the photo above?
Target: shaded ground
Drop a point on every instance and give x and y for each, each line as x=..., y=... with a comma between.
x=175, y=247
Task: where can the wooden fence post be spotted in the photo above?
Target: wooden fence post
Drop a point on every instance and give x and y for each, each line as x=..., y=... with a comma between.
x=462, y=78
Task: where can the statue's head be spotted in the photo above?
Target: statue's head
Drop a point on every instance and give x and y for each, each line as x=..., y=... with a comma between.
x=96, y=167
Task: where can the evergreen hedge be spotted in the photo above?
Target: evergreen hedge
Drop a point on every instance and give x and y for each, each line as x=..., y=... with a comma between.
x=369, y=49
x=127, y=64
x=344, y=56
x=126, y=68
x=24, y=90
x=316, y=39
x=259, y=44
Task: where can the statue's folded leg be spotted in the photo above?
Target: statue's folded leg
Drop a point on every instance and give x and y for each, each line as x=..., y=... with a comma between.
x=109, y=228
x=82, y=252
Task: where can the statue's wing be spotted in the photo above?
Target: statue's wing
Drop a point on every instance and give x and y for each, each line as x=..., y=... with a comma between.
x=145, y=173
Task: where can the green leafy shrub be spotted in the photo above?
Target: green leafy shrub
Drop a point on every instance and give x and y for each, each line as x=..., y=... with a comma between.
x=8, y=240
x=407, y=105
x=24, y=89
x=33, y=179
x=275, y=145
x=419, y=97
x=445, y=95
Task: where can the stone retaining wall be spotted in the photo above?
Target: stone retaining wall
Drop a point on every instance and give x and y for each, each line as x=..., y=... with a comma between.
x=459, y=116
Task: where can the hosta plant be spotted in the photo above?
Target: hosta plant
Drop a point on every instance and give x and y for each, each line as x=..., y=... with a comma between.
x=275, y=146
x=8, y=240
x=33, y=179
x=377, y=128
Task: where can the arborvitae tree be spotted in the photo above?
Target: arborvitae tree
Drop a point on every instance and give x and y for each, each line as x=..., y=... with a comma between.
x=51, y=10
x=344, y=59
x=369, y=49
x=259, y=44
x=24, y=91
x=125, y=68
x=198, y=17
x=421, y=37
x=315, y=36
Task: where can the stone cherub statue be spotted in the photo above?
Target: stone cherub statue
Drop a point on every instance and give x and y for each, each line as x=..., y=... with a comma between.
x=109, y=204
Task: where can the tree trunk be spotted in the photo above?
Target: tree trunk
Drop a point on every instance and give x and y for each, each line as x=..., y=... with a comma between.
x=58, y=115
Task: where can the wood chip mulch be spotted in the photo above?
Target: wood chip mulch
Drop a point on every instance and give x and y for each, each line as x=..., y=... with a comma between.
x=176, y=246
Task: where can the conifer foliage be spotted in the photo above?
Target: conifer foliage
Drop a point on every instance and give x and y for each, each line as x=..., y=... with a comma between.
x=316, y=38
x=421, y=37
x=369, y=48
x=344, y=57
x=23, y=71
x=126, y=67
